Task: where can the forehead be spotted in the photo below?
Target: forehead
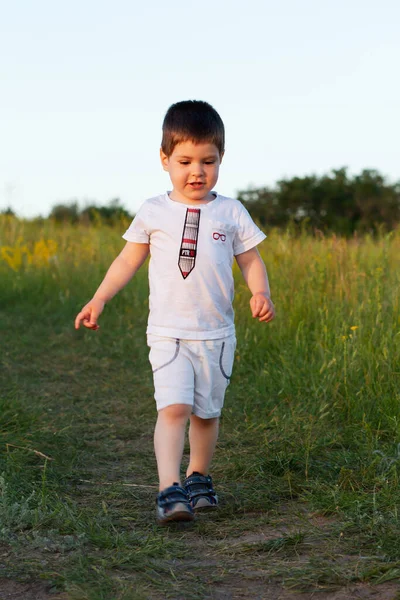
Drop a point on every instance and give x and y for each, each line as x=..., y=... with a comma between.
x=189, y=149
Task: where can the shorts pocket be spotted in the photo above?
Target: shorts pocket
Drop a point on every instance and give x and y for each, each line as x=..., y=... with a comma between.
x=163, y=353
x=226, y=357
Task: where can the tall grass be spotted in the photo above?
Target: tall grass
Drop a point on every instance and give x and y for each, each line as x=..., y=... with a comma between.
x=312, y=414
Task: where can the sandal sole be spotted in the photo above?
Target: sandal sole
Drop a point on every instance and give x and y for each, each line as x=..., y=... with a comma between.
x=204, y=505
x=180, y=514
x=178, y=517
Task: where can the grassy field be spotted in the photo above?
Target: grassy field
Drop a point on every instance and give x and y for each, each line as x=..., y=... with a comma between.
x=307, y=466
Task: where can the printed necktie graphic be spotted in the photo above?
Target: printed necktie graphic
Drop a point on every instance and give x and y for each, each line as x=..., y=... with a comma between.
x=188, y=249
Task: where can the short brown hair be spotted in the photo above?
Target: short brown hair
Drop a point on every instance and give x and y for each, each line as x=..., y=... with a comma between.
x=192, y=120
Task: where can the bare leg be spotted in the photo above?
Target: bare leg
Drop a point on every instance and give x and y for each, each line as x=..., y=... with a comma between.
x=203, y=435
x=169, y=438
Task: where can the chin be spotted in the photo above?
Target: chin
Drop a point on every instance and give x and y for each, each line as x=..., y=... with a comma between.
x=200, y=195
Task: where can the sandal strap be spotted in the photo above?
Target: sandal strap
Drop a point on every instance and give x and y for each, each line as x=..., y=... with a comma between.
x=199, y=485
x=171, y=495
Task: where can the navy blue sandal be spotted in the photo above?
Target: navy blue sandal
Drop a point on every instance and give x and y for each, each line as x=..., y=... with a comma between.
x=200, y=490
x=172, y=504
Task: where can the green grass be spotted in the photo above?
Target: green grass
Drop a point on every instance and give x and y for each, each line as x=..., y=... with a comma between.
x=307, y=465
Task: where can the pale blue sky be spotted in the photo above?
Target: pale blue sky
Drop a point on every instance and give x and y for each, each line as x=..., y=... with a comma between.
x=302, y=86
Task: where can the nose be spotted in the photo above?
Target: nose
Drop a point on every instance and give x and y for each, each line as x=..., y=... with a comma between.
x=198, y=170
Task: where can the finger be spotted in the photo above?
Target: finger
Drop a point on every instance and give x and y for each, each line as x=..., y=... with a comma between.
x=269, y=313
x=268, y=317
x=89, y=325
x=93, y=318
x=256, y=305
x=264, y=310
x=80, y=317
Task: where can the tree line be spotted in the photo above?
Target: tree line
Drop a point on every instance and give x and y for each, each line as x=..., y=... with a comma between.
x=334, y=202
x=72, y=213
x=109, y=214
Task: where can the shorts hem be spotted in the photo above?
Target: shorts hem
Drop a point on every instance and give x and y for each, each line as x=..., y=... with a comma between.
x=167, y=403
x=195, y=411
x=203, y=415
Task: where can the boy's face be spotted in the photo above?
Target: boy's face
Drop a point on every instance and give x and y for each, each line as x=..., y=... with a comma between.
x=193, y=169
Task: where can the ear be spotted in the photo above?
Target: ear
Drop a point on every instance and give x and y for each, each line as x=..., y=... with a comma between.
x=164, y=160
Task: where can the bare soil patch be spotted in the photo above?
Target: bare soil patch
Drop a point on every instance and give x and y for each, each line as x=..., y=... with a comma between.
x=12, y=590
x=241, y=590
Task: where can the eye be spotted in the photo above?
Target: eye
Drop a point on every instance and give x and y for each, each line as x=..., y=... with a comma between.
x=184, y=162
x=209, y=162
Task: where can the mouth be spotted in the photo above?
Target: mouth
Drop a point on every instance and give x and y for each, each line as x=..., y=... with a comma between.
x=196, y=185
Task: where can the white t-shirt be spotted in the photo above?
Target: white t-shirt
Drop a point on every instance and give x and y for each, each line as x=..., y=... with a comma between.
x=197, y=304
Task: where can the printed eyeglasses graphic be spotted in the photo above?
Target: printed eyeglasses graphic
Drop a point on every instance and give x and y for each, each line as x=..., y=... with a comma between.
x=217, y=236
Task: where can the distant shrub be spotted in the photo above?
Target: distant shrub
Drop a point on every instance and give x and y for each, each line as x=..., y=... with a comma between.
x=110, y=214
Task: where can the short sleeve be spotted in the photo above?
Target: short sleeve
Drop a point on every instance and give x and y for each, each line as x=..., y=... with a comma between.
x=248, y=235
x=139, y=230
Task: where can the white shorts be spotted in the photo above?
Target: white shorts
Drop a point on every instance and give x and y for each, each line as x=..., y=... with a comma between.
x=193, y=372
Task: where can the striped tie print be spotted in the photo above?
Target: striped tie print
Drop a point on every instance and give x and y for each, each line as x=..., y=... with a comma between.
x=188, y=249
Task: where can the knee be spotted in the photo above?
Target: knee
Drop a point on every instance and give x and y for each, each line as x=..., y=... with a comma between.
x=175, y=412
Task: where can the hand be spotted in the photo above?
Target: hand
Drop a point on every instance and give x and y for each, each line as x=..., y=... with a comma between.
x=262, y=307
x=89, y=314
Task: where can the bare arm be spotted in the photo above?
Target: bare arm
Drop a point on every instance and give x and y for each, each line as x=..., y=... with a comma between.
x=254, y=271
x=121, y=271
x=256, y=278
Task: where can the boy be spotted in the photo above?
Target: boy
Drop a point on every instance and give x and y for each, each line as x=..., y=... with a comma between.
x=192, y=234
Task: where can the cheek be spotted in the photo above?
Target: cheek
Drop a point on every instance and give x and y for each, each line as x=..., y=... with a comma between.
x=177, y=174
x=214, y=173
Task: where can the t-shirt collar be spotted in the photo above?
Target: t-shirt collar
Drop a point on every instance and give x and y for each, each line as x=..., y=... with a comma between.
x=174, y=203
